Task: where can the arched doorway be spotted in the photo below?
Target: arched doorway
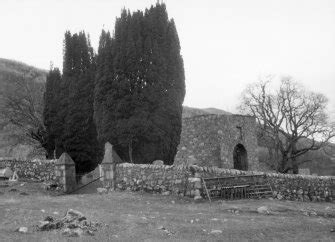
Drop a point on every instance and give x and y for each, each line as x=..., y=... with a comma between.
x=240, y=158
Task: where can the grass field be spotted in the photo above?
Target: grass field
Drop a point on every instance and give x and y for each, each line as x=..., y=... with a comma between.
x=130, y=216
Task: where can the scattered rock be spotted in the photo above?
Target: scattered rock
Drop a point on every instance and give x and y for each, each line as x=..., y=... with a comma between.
x=309, y=212
x=22, y=230
x=332, y=230
x=42, y=210
x=13, y=190
x=51, y=186
x=89, y=232
x=49, y=219
x=24, y=193
x=72, y=215
x=46, y=226
x=166, y=193
x=234, y=211
x=74, y=223
x=263, y=210
x=165, y=230
x=102, y=190
x=173, y=202
x=72, y=232
x=216, y=231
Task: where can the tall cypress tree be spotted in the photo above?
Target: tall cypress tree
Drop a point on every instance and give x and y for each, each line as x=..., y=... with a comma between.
x=143, y=96
x=103, y=75
x=62, y=95
x=79, y=138
x=51, y=108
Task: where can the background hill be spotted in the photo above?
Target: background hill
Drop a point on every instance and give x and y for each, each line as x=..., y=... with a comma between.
x=11, y=74
x=190, y=112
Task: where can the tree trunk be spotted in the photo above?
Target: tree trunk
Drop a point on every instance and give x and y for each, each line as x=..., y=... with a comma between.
x=283, y=164
x=295, y=166
x=130, y=150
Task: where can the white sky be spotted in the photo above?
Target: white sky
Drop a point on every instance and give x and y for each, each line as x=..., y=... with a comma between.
x=226, y=44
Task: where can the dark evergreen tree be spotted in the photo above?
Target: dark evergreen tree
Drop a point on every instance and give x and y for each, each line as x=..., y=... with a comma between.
x=62, y=95
x=103, y=75
x=79, y=138
x=140, y=100
x=51, y=108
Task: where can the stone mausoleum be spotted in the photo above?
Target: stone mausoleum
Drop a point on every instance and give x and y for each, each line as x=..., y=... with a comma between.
x=225, y=141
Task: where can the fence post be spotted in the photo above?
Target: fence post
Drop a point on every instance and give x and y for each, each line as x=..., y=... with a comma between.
x=66, y=173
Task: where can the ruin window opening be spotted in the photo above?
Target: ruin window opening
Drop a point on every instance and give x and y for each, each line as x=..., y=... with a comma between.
x=240, y=130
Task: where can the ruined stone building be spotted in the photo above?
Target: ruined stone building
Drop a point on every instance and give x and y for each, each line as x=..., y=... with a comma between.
x=225, y=141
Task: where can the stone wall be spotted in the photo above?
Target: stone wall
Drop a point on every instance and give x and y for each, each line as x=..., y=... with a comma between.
x=36, y=170
x=153, y=178
x=185, y=181
x=209, y=140
x=284, y=186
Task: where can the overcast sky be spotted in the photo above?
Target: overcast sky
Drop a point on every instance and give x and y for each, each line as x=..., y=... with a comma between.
x=226, y=44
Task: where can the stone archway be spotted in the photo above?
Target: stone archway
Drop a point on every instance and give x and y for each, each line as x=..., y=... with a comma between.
x=240, y=158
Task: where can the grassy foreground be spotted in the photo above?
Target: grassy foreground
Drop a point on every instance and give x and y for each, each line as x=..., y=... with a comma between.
x=130, y=216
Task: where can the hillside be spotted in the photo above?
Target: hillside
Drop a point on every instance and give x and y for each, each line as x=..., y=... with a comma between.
x=12, y=74
x=18, y=68
x=190, y=112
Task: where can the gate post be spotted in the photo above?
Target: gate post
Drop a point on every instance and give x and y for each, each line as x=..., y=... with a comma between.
x=107, y=168
x=66, y=173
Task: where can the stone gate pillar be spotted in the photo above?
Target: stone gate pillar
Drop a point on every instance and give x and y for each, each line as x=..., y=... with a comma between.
x=107, y=167
x=66, y=173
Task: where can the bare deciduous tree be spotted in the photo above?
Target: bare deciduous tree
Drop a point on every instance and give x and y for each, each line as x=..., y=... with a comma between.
x=292, y=120
x=22, y=107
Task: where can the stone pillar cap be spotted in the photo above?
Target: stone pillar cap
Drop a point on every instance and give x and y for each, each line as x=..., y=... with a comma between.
x=110, y=155
x=65, y=159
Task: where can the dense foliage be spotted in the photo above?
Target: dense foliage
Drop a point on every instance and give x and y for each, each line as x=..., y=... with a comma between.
x=51, y=99
x=68, y=113
x=140, y=86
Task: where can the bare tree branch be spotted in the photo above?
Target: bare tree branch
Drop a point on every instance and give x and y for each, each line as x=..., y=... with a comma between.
x=294, y=119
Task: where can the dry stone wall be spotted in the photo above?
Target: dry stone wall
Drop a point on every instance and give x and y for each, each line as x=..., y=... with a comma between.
x=186, y=181
x=153, y=178
x=40, y=170
x=284, y=186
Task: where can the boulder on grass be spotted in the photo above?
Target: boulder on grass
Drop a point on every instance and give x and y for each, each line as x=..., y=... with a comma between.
x=5, y=173
x=158, y=163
